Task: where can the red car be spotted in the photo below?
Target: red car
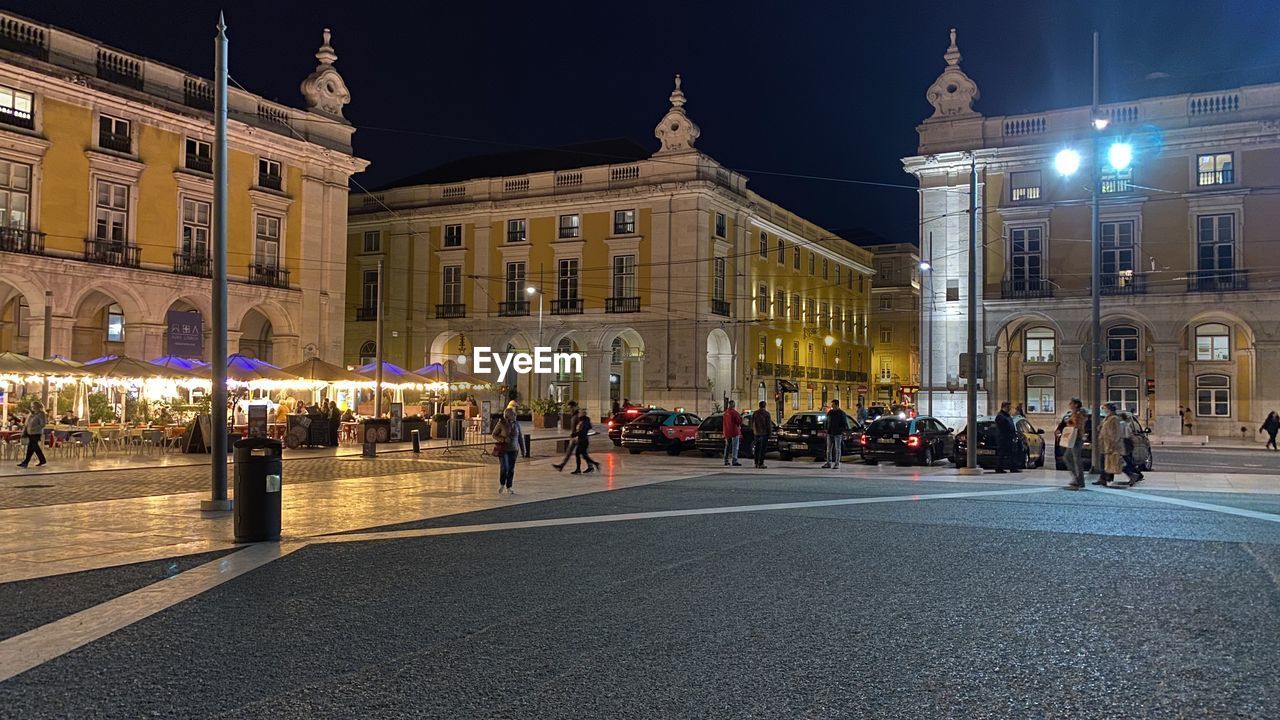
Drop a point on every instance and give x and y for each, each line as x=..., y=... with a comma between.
x=661, y=430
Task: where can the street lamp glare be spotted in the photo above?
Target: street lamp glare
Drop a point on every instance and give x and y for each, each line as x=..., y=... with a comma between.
x=1119, y=155
x=1067, y=162
x=777, y=341
x=531, y=290
x=829, y=341
x=925, y=266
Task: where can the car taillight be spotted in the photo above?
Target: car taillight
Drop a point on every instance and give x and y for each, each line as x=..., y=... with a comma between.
x=610, y=423
x=862, y=440
x=913, y=441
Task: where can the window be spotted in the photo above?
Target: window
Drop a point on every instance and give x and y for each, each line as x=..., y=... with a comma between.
x=721, y=225
x=451, y=285
x=624, y=222
x=953, y=291
x=269, y=174
x=372, y=241
x=810, y=311
x=115, y=324
x=624, y=276
x=886, y=368
x=795, y=307
x=837, y=275
x=15, y=194
x=795, y=258
x=1122, y=344
x=1215, y=240
x=570, y=225
x=764, y=244
x=809, y=355
x=16, y=107
x=795, y=353
x=1117, y=181
x=1040, y=398
x=1117, y=243
x=860, y=280
x=516, y=231
x=195, y=228
x=266, y=251
x=113, y=134
x=825, y=316
x=782, y=252
x=515, y=291
x=616, y=351
x=1123, y=391
x=762, y=299
x=452, y=236
x=1024, y=185
x=368, y=353
x=21, y=312
x=1215, y=169
x=199, y=155
x=1040, y=345
x=811, y=263
x=780, y=303
x=778, y=344
x=717, y=281
x=886, y=303
x=567, y=279
x=111, y=216
x=824, y=269
x=839, y=315
x=369, y=289
x=1026, y=259
x=764, y=345
x=1213, y=342
x=886, y=333
x=1213, y=396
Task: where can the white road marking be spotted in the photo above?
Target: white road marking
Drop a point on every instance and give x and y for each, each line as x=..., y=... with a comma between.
x=1255, y=514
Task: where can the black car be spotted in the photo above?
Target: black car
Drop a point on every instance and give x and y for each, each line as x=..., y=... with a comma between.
x=615, y=423
x=1028, y=444
x=661, y=430
x=804, y=434
x=711, y=437
x=906, y=440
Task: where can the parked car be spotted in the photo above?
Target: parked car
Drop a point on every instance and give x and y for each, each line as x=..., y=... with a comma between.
x=1142, y=456
x=1028, y=444
x=615, y=423
x=876, y=411
x=920, y=439
x=711, y=437
x=804, y=434
x=661, y=430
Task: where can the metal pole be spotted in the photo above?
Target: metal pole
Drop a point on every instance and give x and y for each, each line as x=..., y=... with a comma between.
x=377, y=373
x=929, y=378
x=971, y=447
x=48, y=352
x=1096, y=331
x=218, y=402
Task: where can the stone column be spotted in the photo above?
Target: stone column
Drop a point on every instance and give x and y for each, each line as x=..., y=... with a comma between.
x=595, y=394
x=145, y=341
x=1166, y=420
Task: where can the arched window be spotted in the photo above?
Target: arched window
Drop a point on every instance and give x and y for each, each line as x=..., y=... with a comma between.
x=1122, y=343
x=1213, y=396
x=1213, y=342
x=115, y=324
x=368, y=353
x=1040, y=344
x=1123, y=391
x=565, y=345
x=616, y=352
x=1040, y=394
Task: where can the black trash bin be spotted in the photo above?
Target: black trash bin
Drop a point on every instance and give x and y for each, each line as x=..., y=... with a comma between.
x=257, y=488
x=458, y=426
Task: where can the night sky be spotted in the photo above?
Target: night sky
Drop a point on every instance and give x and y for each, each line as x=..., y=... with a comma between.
x=832, y=90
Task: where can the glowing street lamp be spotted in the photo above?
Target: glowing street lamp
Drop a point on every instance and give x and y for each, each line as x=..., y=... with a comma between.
x=1119, y=155
x=1067, y=162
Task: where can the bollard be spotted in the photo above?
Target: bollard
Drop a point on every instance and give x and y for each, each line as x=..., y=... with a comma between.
x=416, y=446
x=527, y=438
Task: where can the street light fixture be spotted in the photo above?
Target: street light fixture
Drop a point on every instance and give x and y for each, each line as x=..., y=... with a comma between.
x=531, y=290
x=1067, y=162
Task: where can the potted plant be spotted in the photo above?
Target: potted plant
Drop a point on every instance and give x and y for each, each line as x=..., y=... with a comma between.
x=548, y=409
x=416, y=422
x=442, y=425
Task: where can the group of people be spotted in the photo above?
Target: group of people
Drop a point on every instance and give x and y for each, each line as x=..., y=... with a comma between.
x=580, y=432
x=837, y=423
x=1114, y=435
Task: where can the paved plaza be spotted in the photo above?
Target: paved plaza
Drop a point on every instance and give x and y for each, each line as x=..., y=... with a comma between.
x=662, y=587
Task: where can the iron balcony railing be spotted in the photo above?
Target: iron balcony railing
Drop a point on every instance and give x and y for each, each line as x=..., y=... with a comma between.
x=622, y=304
x=17, y=118
x=366, y=313
x=1217, y=280
x=720, y=307
x=111, y=252
x=514, y=308
x=115, y=141
x=21, y=240
x=451, y=310
x=192, y=264
x=269, y=275
x=269, y=181
x=566, y=306
x=1122, y=284
x=764, y=368
x=1026, y=288
x=201, y=163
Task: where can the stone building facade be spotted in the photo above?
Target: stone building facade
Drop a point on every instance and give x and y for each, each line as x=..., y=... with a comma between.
x=895, y=334
x=1189, y=256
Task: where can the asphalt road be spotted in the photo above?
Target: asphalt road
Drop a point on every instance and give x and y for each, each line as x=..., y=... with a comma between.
x=1200, y=459
x=1037, y=604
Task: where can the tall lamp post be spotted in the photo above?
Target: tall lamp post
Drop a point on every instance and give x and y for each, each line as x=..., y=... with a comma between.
x=926, y=269
x=531, y=291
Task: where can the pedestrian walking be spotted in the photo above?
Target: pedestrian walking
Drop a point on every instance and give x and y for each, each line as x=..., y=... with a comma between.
x=837, y=426
x=862, y=414
x=1271, y=426
x=572, y=447
x=1109, y=434
x=1071, y=439
x=732, y=427
x=506, y=435
x=582, y=436
x=33, y=431
x=761, y=429
x=1006, y=432
x=1129, y=426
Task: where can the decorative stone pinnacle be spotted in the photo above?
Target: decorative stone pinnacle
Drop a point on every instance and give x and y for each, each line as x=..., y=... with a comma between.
x=953, y=53
x=326, y=54
x=677, y=95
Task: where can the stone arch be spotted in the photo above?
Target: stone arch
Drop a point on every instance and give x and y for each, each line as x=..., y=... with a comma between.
x=20, y=301
x=281, y=322
x=1218, y=315
x=257, y=336
x=622, y=349
x=719, y=373
x=93, y=310
x=184, y=303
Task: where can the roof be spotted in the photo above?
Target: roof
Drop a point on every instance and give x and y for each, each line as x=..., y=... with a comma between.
x=523, y=162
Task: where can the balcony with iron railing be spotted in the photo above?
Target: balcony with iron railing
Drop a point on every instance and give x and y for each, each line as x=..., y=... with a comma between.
x=268, y=275
x=1022, y=288
x=1217, y=280
x=111, y=252
x=196, y=265
x=366, y=314
x=271, y=182
x=21, y=240
x=117, y=142
x=720, y=307
x=199, y=163
x=17, y=118
x=622, y=304
x=764, y=368
x=1122, y=283
x=451, y=310
x=514, y=308
x=566, y=306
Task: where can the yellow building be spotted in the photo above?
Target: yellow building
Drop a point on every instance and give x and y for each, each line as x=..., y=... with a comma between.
x=681, y=286
x=1187, y=247
x=106, y=195
x=895, y=333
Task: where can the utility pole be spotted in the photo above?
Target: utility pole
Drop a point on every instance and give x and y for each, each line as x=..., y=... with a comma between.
x=929, y=341
x=1096, y=273
x=377, y=373
x=48, y=352
x=971, y=427
x=218, y=403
